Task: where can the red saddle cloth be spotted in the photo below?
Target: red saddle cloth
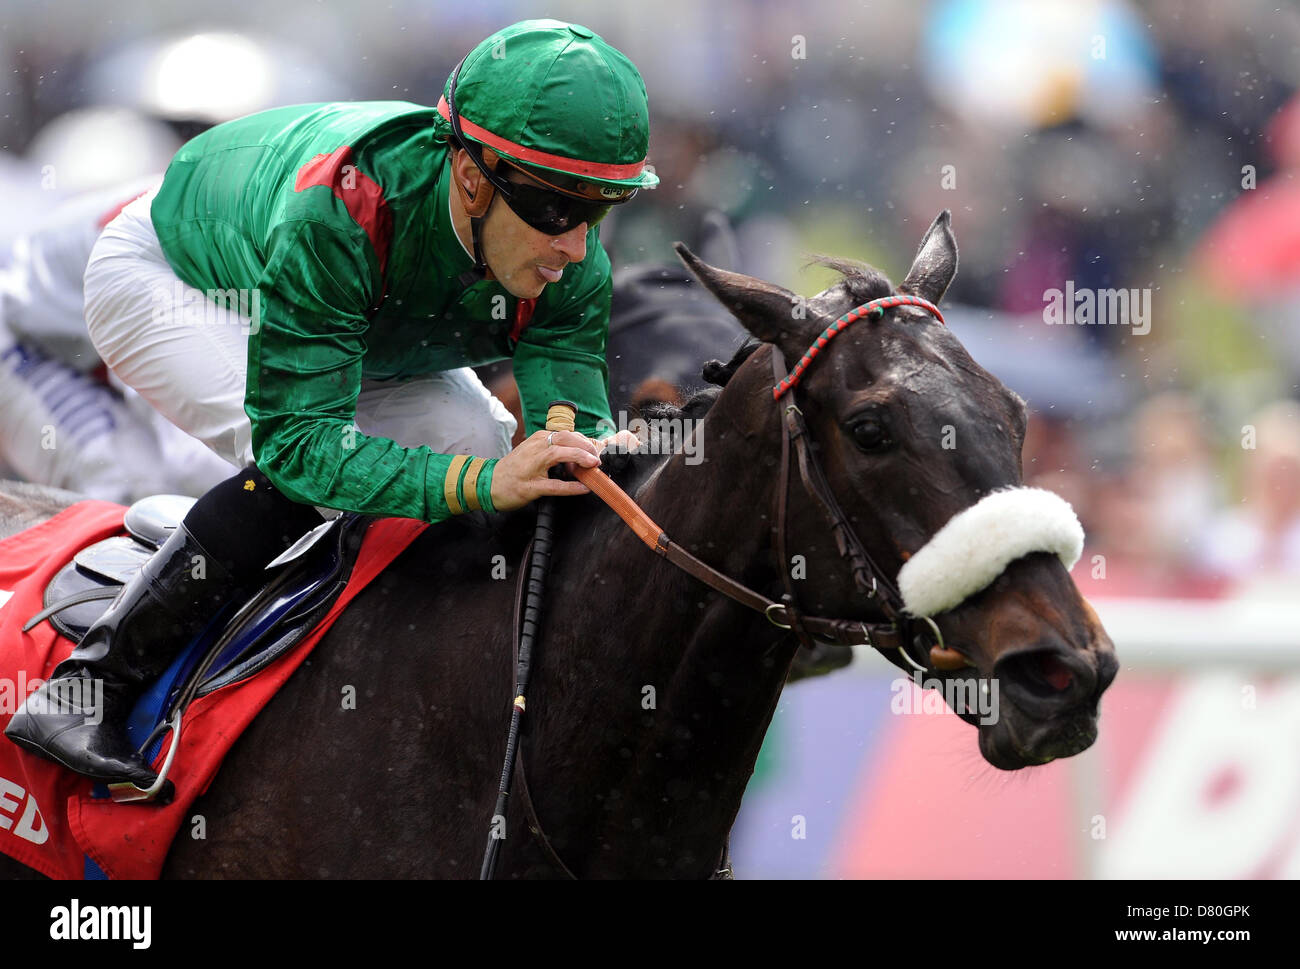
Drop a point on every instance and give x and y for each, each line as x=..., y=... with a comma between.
x=49, y=819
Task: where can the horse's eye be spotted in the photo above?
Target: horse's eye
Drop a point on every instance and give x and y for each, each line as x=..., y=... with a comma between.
x=870, y=435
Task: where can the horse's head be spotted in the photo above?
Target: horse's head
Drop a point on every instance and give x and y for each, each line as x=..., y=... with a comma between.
x=911, y=434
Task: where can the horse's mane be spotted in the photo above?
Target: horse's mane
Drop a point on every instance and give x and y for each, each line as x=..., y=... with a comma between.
x=628, y=468
x=861, y=282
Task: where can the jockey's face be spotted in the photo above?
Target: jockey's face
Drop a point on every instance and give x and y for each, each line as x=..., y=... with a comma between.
x=523, y=259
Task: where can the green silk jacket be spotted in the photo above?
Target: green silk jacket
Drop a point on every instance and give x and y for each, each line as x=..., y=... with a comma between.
x=337, y=218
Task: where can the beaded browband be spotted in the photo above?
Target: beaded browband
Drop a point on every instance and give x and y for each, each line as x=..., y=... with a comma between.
x=875, y=309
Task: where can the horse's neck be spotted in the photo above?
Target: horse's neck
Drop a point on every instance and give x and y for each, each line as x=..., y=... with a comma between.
x=691, y=678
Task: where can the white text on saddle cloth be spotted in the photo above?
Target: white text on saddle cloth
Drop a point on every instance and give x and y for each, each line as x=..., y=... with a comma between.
x=16, y=805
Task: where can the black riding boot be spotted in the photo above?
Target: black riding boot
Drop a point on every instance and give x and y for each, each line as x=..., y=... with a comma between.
x=78, y=718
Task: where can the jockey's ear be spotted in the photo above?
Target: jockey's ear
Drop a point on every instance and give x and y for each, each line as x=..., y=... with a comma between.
x=771, y=313
x=935, y=264
x=472, y=186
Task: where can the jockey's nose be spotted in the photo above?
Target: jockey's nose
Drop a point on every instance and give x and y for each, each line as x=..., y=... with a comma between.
x=572, y=243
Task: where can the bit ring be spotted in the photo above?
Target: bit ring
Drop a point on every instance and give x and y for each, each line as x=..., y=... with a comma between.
x=768, y=612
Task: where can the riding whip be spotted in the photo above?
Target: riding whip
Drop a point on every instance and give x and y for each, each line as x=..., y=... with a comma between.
x=560, y=416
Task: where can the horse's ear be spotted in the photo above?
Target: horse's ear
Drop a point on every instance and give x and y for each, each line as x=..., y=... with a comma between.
x=767, y=311
x=935, y=264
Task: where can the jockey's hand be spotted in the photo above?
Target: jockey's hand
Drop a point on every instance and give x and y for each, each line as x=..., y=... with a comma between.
x=616, y=452
x=624, y=439
x=521, y=475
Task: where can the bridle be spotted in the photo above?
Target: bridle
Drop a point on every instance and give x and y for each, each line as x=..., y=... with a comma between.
x=897, y=629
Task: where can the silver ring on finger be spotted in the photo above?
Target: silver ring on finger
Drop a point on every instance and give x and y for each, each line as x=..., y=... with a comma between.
x=550, y=438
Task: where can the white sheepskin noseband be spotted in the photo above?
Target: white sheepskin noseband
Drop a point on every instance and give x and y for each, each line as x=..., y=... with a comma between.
x=969, y=552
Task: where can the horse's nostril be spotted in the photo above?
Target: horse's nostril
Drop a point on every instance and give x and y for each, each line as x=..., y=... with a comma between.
x=1042, y=675
x=1056, y=673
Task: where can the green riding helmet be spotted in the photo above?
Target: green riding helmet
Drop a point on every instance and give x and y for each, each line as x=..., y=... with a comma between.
x=557, y=100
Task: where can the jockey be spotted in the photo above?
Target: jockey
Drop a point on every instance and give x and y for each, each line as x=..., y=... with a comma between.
x=305, y=293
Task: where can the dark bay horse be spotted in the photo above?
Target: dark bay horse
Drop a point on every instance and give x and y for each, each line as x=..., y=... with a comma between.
x=651, y=694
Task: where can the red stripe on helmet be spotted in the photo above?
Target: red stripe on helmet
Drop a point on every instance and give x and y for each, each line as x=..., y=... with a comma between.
x=572, y=166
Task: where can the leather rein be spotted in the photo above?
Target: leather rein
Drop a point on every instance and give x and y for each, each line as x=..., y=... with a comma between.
x=895, y=631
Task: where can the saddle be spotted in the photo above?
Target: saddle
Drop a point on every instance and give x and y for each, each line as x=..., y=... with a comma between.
x=246, y=636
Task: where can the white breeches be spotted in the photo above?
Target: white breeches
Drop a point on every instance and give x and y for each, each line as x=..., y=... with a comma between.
x=187, y=357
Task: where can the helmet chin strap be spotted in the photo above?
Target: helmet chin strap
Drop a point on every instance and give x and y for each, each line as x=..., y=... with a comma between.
x=476, y=207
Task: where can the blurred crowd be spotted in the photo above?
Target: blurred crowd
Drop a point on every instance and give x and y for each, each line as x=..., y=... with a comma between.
x=1105, y=144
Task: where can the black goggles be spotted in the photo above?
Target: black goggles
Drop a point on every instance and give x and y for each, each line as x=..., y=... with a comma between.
x=548, y=211
x=544, y=209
